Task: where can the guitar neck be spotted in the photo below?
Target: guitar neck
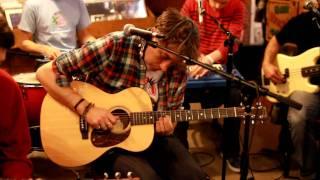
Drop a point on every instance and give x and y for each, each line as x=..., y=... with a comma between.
x=311, y=71
x=140, y=118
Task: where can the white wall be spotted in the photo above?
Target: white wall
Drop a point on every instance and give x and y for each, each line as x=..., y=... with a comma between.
x=11, y=4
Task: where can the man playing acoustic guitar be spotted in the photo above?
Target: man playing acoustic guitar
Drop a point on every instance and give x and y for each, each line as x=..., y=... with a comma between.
x=304, y=31
x=116, y=62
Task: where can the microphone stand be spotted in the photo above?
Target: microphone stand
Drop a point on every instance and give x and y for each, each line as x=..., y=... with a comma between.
x=229, y=42
x=248, y=85
x=316, y=17
x=315, y=11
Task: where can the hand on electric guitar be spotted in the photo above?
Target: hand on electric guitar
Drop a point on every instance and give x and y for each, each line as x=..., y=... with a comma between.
x=273, y=73
x=292, y=73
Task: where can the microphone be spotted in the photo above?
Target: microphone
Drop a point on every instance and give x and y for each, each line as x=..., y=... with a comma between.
x=200, y=11
x=310, y=6
x=130, y=29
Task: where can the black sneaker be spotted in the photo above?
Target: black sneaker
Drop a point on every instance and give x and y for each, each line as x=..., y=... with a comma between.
x=234, y=164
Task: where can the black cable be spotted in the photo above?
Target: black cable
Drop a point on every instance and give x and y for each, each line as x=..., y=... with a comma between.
x=277, y=166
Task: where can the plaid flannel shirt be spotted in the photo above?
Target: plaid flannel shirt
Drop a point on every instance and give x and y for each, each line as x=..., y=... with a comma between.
x=116, y=62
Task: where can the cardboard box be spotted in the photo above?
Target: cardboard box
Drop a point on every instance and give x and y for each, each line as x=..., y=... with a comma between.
x=278, y=14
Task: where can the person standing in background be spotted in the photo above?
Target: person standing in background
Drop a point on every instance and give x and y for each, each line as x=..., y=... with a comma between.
x=50, y=27
x=15, y=142
x=231, y=14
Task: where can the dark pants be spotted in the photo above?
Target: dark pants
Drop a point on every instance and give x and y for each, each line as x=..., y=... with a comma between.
x=210, y=98
x=165, y=159
x=231, y=126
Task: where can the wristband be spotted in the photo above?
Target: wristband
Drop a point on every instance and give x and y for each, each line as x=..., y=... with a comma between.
x=86, y=110
x=78, y=103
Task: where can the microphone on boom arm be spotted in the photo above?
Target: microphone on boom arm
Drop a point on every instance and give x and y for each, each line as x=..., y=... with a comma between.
x=130, y=29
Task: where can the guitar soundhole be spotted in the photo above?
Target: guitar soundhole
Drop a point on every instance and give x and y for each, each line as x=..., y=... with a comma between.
x=119, y=132
x=124, y=117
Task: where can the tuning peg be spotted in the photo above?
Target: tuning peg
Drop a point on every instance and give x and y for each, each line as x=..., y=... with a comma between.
x=258, y=103
x=106, y=176
x=117, y=175
x=129, y=175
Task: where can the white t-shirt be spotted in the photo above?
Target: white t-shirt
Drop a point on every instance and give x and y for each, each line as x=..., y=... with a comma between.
x=55, y=22
x=151, y=86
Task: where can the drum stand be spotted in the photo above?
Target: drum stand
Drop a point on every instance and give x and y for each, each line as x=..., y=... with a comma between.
x=36, y=144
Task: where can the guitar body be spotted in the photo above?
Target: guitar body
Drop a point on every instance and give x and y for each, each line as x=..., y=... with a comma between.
x=68, y=145
x=292, y=65
x=60, y=130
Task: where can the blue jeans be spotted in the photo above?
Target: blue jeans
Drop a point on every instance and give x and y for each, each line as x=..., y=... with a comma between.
x=302, y=130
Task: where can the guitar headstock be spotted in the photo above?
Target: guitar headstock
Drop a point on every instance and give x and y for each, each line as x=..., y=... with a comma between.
x=117, y=176
x=257, y=113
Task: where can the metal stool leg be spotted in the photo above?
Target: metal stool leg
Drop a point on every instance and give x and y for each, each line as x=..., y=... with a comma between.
x=36, y=144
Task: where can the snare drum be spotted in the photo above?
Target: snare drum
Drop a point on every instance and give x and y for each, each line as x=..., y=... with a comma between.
x=33, y=94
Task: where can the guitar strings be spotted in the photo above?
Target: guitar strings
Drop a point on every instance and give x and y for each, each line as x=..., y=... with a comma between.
x=220, y=110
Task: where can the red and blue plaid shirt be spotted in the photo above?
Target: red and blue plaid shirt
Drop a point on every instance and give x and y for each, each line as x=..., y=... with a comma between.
x=116, y=62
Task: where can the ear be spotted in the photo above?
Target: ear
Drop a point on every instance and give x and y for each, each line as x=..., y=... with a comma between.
x=154, y=29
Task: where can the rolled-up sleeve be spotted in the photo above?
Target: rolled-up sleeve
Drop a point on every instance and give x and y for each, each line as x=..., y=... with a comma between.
x=80, y=62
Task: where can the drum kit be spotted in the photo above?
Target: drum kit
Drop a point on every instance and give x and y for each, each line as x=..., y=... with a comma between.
x=32, y=92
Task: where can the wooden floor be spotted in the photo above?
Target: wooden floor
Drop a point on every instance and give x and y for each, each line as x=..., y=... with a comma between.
x=204, y=147
x=45, y=169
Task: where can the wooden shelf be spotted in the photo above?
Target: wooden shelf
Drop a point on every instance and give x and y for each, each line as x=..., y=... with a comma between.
x=101, y=28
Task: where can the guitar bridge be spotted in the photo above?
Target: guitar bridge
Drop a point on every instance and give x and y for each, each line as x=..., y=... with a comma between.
x=83, y=128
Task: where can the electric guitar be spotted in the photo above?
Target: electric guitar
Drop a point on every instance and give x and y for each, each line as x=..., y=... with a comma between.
x=297, y=70
x=67, y=146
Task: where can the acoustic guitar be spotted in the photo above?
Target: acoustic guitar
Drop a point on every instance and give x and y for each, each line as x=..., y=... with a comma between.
x=297, y=70
x=66, y=145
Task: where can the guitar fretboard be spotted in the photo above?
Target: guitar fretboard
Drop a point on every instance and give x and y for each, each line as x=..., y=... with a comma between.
x=310, y=71
x=140, y=118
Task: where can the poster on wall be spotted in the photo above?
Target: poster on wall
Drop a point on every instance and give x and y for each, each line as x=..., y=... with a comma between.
x=115, y=9
x=278, y=14
x=257, y=20
x=13, y=11
x=13, y=17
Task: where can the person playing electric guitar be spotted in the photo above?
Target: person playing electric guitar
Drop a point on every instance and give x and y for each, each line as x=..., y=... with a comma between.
x=304, y=31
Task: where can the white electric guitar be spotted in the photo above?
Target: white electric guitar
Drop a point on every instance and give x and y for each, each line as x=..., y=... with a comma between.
x=297, y=70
